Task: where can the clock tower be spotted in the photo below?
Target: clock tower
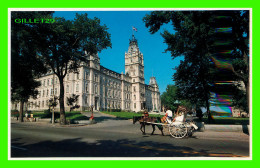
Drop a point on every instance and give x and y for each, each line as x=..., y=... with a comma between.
x=134, y=67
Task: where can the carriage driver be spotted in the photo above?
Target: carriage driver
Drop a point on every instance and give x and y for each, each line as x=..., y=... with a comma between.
x=168, y=116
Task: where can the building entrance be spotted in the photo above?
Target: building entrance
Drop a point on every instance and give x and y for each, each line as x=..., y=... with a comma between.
x=96, y=103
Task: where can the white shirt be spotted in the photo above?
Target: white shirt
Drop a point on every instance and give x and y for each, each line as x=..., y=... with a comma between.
x=169, y=113
x=179, y=118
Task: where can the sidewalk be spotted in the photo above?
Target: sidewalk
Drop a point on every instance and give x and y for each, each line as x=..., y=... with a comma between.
x=228, y=128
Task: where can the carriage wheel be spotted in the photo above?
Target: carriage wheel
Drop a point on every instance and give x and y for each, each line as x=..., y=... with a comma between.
x=178, y=131
x=190, y=132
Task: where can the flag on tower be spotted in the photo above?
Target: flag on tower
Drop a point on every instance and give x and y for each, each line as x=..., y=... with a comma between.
x=135, y=29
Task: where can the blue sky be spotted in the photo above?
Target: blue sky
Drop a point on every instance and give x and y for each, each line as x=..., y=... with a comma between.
x=119, y=23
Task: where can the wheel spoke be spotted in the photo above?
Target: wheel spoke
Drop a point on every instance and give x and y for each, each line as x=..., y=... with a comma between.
x=178, y=131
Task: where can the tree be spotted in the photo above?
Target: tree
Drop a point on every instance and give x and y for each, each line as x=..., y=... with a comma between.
x=72, y=102
x=169, y=98
x=53, y=102
x=25, y=65
x=195, y=39
x=172, y=100
x=66, y=43
x=240, y=32
x=191, y=40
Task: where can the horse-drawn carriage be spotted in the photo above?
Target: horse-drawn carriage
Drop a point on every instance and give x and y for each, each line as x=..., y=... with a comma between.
x=177, y=129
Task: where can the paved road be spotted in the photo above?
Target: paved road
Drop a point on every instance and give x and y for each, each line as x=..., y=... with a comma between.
x=112, y=137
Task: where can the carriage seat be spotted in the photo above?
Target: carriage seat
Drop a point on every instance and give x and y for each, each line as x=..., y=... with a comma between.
x=178, y=120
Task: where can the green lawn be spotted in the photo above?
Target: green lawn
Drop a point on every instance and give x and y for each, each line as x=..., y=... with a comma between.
x=74, y=115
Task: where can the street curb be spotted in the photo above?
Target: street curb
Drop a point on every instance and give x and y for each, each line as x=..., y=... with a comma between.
x=228, y=128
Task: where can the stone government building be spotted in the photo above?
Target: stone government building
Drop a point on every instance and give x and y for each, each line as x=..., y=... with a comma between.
x=102, y=88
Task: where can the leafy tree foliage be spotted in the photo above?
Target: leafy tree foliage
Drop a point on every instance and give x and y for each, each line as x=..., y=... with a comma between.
x=169, y=98
x=194, y=39
x=241, y=62
x=72, y=102
x=191, y=40
x=66, y=43
x=53, y=102
x=60, y=46
x=25, y=65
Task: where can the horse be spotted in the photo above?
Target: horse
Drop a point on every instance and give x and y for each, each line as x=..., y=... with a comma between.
x=143, y=121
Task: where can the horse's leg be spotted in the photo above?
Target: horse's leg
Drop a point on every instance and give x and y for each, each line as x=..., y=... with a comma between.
x=153, y=129
x=142, y=126
x=161, y=130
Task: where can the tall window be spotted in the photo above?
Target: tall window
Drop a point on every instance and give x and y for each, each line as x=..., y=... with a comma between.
x=77, y=87
x=51, y=92
x=43, y=93
x=77, y=75
x=67, y=88
x=86, y=88
x=96, y=89
x=47, y=92
x=55, y=92
x=96, y=78
x=44, y=82
x=86, y=101
x=56, y=80
x=86, y=75
x=68, y=76
x=48, y=82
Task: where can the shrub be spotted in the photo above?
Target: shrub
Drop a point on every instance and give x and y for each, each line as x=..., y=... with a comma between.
x=46, y=111
x=14, y=113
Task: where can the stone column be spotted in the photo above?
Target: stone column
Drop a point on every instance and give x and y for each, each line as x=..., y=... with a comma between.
x=91, y=87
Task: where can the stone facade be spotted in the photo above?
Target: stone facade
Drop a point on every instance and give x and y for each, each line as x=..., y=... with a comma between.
x=102, y=88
